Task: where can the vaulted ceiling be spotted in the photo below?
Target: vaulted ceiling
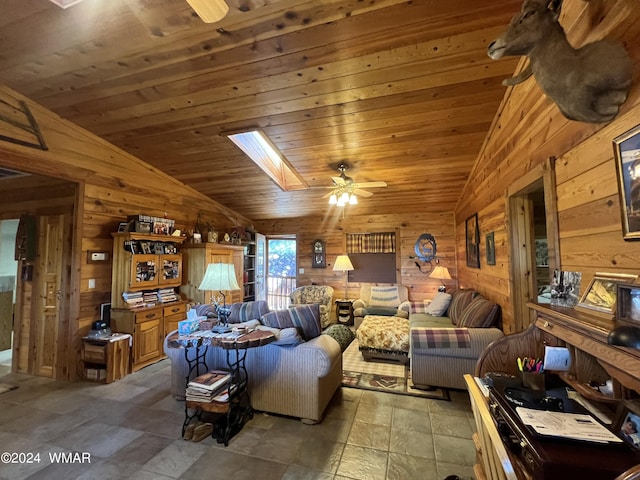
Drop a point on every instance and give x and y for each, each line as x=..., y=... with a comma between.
x=402, y=91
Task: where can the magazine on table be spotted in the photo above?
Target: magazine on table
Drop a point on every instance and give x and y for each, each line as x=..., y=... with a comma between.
x=211, y=380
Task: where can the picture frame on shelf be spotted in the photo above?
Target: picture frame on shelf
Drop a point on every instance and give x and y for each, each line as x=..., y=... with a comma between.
x=123, y=227
x=626, y=149
x=601, y=293
x=145, y=247
x=627, y=423
x=491, y=248
x=158, y=248
x=472, y=232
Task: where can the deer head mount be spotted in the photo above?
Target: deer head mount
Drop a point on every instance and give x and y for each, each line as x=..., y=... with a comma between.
x=588, y=84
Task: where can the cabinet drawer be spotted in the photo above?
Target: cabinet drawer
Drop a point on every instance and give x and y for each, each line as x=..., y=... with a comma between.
x=148, y=315
x=174, y=309
x=94, y=353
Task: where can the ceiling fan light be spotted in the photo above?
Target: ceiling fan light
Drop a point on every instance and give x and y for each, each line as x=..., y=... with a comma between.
x=333, y=199
x=344, y=198
x=353, y=200
x=340, y=202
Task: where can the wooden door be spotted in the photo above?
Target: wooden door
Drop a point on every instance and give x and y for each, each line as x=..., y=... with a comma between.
x=49, y=297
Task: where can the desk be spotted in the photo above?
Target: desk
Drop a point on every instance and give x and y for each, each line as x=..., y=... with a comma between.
x=492, y=459
x=238, y=409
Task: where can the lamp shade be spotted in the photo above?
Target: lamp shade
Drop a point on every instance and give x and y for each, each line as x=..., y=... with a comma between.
x=441, y=273
x=219, y=276
x=343, y=264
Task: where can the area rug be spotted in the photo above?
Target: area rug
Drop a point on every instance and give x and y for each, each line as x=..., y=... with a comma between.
x=382, y=376
x=7, y=387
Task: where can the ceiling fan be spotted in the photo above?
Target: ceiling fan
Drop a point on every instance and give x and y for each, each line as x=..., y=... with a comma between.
x=344, y=189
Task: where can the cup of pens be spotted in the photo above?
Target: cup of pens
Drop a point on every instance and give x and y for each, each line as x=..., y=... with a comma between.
x=532, y=372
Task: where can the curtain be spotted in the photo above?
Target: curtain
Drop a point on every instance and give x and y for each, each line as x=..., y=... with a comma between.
x=384, y=242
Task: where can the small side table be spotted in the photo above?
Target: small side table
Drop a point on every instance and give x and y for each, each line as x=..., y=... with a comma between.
x=106, y=358
x=344, y=311
x=237, y=409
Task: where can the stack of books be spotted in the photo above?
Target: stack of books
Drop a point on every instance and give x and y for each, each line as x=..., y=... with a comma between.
x=133, y=299
x=166, y=295
x=150, y=298
x=209, y=386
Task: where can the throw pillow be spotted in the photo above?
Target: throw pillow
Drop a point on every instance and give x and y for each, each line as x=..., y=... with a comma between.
x=460, y=299
x=243, y=311
x=481, y=313
x=384, y=296
x=418, y=307
x=341, y=334
x=439, y=304
x=306, y=318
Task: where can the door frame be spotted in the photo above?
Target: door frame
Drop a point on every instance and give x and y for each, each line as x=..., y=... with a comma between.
x=519, y=217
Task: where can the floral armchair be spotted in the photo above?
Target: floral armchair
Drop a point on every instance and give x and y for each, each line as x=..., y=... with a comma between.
x=320, y=294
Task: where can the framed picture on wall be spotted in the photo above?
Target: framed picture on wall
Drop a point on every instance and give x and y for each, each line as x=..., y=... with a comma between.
x=473, y=241
x=626, y=148
x=491, y=248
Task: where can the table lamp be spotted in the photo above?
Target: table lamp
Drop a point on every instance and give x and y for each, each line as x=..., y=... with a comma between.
x=220, y=276
x=343, y=264
x=441, y=273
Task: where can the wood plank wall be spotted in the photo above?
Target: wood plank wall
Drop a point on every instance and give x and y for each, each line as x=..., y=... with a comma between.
x=333, y=231
x=111, y=184
x=528, y=129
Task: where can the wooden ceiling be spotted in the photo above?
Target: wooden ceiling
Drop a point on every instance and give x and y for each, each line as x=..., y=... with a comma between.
x=403, y=91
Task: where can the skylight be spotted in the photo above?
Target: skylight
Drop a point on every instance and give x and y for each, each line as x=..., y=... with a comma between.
x=257, y=146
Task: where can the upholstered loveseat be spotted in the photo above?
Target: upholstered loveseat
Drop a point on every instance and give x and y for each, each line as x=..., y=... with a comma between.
x=319, y=294
x=443, y=348
x=380, y=300
x=297, y=375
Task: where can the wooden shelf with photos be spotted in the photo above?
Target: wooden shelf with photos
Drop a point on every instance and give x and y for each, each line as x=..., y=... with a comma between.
x=146, y=270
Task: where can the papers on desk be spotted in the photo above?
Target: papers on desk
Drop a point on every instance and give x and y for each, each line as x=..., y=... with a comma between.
x=566, y=425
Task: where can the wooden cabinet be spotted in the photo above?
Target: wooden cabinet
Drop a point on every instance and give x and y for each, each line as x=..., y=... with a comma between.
x=147, y=341
x=196, y=258
x=136, y=272
x=148, y=328
x=173, y=314
x=144, y=271
x=107, y=355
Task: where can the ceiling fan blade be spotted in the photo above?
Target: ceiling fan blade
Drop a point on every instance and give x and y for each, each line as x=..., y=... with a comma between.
x=362, y=193
x=370, y=184
x=327, y=195
x=338, y=180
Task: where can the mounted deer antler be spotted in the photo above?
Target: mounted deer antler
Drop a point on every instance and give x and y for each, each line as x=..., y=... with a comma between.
x=588, y=84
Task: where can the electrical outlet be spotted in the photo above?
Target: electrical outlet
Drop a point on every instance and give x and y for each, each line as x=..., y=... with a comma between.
x=301, y=271
x=92, y=283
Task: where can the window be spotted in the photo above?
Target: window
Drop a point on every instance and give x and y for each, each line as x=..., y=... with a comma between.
x=373, y=256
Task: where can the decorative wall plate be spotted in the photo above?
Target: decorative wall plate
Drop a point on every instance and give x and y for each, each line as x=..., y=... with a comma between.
x=425, y=247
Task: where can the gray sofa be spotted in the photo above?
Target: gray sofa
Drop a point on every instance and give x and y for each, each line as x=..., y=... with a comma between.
x=443, y=348
x=290, y=377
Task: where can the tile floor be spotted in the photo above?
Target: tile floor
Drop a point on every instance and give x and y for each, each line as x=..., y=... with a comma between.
x=130, y=429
